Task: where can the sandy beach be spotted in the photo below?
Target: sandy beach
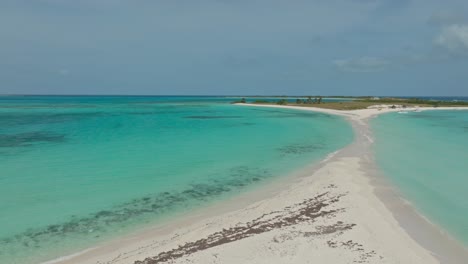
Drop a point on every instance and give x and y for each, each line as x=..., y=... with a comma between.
x=340, y=210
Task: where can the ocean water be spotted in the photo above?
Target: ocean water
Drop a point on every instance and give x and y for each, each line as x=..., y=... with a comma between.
x=426, y=155
x=75, y=171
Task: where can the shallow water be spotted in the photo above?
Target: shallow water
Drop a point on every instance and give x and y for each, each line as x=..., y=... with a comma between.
x=79, y=170
x=426, y=155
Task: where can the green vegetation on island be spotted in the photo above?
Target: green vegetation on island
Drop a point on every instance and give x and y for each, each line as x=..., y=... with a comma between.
x=351, y=103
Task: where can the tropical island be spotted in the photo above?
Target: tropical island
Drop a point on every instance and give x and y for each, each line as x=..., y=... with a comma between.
x=350, y=102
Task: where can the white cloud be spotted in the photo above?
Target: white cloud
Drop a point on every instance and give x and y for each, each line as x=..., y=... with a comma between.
x=363, y=64
x=454, y=38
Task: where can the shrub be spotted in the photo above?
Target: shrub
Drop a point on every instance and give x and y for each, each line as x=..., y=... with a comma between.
x=282, y=102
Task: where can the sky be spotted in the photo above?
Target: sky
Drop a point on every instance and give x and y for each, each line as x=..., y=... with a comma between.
x=238, y=47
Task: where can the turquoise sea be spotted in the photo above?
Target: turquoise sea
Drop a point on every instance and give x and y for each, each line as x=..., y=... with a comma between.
x=425, y=154
x=75, y=171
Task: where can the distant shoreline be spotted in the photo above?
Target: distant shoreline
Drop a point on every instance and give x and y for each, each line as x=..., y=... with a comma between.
x=358, y=114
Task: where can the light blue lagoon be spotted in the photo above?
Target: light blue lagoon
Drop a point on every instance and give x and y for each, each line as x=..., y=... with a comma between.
x=75, y=171
x=425, y=154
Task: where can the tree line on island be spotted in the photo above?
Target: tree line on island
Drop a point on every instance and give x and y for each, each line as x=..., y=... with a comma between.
x=352, y=103
x=309, y=100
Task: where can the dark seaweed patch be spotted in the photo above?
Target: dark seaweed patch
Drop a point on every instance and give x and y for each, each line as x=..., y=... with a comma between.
x=149, y=205
x=154, y=112
x=18, y=119
x=299, y=148
x=211, y=117
x=26, y=139
x=269, y=110
x=311, y=114
x=165, y=105
x=280, y=113
x=238, y=124
x=296, y=115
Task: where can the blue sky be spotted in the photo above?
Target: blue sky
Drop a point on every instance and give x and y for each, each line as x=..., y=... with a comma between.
x=330, y=47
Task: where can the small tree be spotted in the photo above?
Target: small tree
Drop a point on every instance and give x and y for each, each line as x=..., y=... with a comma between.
x=320, y=100
x=243, y=100
x=309, y=99
x=282, y=102
x=298, y=101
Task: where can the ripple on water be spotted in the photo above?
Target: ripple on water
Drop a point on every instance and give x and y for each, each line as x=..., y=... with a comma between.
x=30, y=138
x=19, y=119
x=299, y=149
x=211, y=117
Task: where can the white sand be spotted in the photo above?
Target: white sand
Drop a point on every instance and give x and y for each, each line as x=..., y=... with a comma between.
x=338, y=211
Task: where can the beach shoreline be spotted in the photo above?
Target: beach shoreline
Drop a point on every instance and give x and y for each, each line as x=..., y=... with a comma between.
x=365, y=210
x=428, y=234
